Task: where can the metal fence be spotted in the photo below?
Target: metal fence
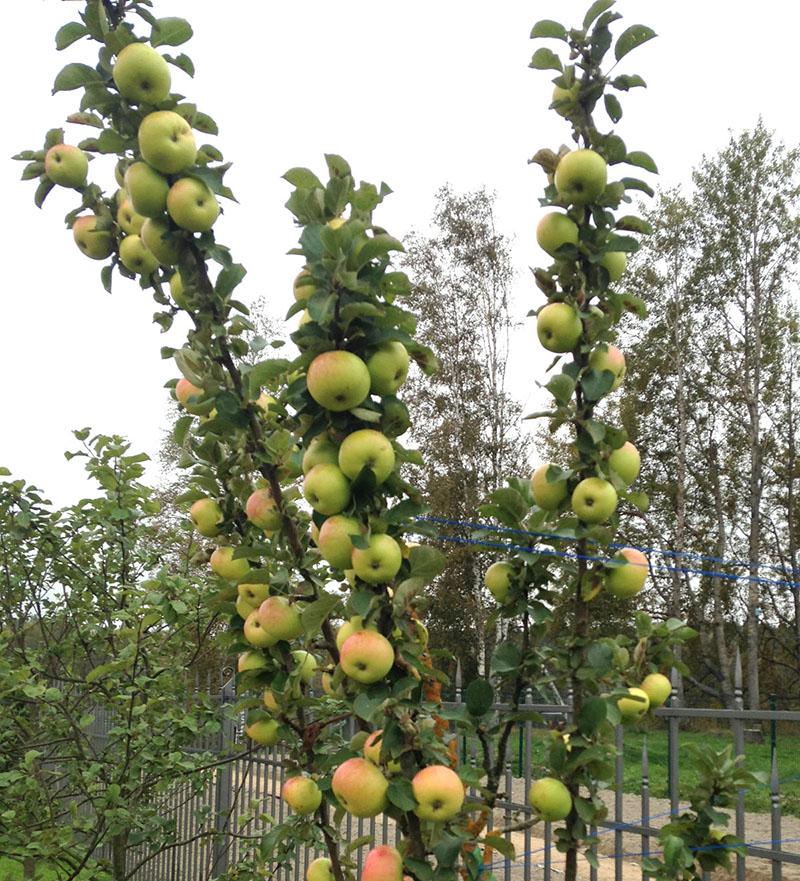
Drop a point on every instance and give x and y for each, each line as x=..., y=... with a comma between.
x=623, y=840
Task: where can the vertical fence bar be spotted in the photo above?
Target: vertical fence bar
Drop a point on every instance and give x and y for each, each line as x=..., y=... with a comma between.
x=738, y=747
x=222, y=795
x=619, y=783
x=525, y=772
x=593, y=869
x=645, y=803
x=775, y=816
x=548, y=844
x=507, y=814
x=673, y=733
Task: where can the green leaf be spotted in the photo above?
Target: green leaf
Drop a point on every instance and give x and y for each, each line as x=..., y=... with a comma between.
x=479, y=697
x=613, y=108
x=549, y=29
x=597, y=8
x=447, y=850
x=366, y=705
x=546, y=59
x=621, y=243
x=181, y=61
x=229, y=278
x=69, y=33
x=631, y=39
x=303, y=178
x=74, y=76
x=501, y=845
x=595, y=429
x=632, y=223
x=506, y=658
x=426, y=562
x=181, y=429
x=315, y=613
x=639, y=500
x=600, y=656
x=42, y=191
x=642, y=160
x=561, y=387
x=400, y=794
x=596, y=384
x=628, y=81
x=633, y=183
x=511, y=501
x=265, y=371
x=170, y=32
x=592, y=716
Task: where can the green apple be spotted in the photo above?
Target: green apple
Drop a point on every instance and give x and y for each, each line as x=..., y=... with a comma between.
x=439, y=793
x=161, y=241
x=554, y=230
x=306, y=664
x=360, y=788
x=320, y=870
x=119, y=172
x=166, y=142
x=303, y=286
x=302, y=795
x=351, y=626
x=366, y=448
x=192, y=205
x=372, y=750
x=559, y=327
x=66, y=165
x=245, y=609
x=223, y=564
x=581, y=176
x=334, y=540
x=95, y=243
x=380, y=562
x=594, y=500
x=321, y=450
x=498, y=580
x=366, y=656
x=141, y=74
x=658, y=688
x=615, y=263
x=262, y=511
x=147, y=189
x=206, y=515
x=609, y=357
x=134, y=255
x=338, y=380
x=250, y=660
x=626, y=462
x=384, y=862
x=280, y=619
x=388, y=368
x=548, y=495
x=253, y=630
x=264, y=732
x=270, y=701
x=635, y=706
x=130, y=222
x=326, y=489
x=253, y=592
x=176, y=288
x=550, y=799
x=627, y=580
x=562, y=96
x=188, y=394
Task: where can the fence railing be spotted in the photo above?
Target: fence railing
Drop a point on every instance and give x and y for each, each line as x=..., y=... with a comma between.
x=627, y=836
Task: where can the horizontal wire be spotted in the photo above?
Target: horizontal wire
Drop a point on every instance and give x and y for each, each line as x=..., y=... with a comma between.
x=689, y=555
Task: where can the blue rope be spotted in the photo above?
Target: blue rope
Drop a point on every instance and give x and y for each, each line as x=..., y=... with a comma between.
x=488, y=527
x=546, y=552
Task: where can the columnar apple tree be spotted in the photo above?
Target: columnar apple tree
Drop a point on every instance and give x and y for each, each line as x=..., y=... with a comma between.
x=297, y=467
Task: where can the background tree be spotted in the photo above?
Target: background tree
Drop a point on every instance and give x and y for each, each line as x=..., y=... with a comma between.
x=465, y=423
x=96, y=631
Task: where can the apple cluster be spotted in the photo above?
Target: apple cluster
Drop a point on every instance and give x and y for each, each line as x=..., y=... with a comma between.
x=162, y=196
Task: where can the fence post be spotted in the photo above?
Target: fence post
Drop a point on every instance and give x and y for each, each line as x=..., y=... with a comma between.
x=673, y=733
x=222, y=788
x=738, y=747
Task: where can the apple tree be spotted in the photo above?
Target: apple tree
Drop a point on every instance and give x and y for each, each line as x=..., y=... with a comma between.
x=297, y=468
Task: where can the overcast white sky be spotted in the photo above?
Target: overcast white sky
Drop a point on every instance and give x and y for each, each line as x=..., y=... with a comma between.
x=416, y=94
